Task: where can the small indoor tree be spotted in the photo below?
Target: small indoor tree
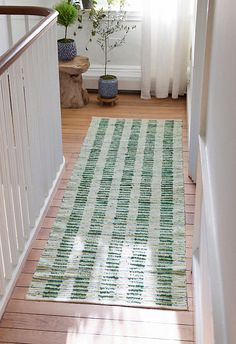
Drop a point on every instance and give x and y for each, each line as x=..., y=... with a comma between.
x=68, y=14
x=106, y=23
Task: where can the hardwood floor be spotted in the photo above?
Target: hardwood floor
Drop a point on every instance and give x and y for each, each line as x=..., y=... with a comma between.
x=67, y=323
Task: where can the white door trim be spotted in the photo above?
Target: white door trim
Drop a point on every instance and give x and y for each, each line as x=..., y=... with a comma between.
x=208, y=284
x=195, y=90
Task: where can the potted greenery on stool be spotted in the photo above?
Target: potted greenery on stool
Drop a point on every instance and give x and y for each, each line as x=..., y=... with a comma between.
x=68, y=14
x=105, y=24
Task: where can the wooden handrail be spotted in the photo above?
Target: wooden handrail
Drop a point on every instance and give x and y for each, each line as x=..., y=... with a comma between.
x=13, y=53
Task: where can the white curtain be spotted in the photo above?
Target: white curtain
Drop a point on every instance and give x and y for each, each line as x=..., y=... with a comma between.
x=166, y=35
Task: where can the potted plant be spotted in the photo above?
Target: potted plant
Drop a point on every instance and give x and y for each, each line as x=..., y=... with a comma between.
x=68, y=14
x=105, y=25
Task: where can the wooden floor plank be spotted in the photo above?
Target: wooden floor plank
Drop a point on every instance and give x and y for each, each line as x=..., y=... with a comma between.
x=37, y=322
x=39, y=337
x=106, y=327
x=100, y=312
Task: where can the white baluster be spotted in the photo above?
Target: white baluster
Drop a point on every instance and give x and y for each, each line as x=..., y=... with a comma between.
x=10, y=31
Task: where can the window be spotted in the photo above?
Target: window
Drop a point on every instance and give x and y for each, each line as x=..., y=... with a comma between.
x=131, y=5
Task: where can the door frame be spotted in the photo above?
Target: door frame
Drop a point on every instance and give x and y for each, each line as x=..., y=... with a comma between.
x=210, y=324
x=195, y=89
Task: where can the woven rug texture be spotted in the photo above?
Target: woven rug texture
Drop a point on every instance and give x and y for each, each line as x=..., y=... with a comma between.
x=119, y=236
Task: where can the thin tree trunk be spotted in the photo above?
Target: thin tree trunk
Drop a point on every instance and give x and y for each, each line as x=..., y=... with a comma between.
x=66, y=32
x=105, y=53
x=107, y=38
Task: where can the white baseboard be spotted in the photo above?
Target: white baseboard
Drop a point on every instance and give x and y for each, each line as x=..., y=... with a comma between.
x=197, y=297
x=189, y=96
x=129, y=77
x=11, y=284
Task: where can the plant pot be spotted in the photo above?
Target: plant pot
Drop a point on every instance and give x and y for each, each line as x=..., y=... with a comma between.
x=66, y=49
x=108, y=86
x=87, y=4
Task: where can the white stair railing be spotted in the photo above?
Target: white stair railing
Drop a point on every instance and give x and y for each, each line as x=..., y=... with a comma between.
x=31, y=158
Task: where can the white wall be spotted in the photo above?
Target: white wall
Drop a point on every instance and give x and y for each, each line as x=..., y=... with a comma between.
x=221, y=147
x=125, y=60
x=218, y=153
x=4, y=42
x=3, y=29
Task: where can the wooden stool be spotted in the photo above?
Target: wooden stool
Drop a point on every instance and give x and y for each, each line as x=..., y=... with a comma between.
x=73, y=94
x=109, y=101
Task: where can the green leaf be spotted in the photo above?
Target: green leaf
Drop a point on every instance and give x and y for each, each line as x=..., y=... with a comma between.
x=67, y=13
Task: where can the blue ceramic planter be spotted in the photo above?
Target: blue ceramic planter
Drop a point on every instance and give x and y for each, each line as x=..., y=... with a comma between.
x=108, y=88
x=66, y=50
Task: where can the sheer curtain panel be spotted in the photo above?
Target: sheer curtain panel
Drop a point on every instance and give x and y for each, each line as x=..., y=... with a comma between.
x=166, y=35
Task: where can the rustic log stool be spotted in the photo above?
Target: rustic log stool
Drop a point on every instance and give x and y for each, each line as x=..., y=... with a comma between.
x=73, y=94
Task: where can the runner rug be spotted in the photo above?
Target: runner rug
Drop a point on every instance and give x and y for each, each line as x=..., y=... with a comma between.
x=119, y=236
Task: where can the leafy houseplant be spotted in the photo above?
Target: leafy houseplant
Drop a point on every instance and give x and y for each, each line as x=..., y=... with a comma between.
x=105, y=25
x=68, y=14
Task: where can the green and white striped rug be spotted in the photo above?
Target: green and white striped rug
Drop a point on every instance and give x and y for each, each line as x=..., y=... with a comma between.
x=119, y=236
